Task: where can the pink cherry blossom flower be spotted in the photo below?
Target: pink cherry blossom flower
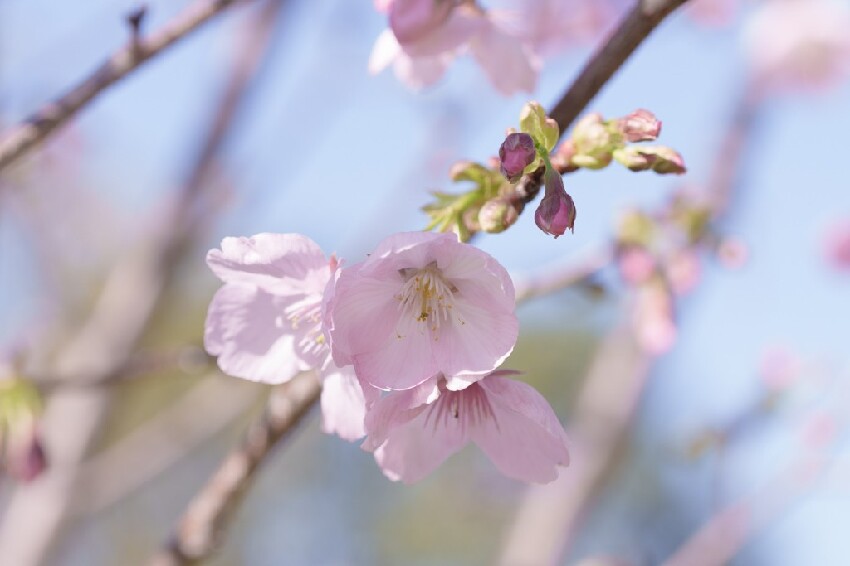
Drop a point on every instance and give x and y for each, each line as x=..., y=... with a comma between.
x=424, y=39
x=412, y=432
x=265, y=323
x=420, y=305
x=636, y=265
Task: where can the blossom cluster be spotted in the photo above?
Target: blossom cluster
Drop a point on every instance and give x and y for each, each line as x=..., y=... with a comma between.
x=408, y=344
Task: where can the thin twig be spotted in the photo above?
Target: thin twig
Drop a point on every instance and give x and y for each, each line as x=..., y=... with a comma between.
x=207, y=515
x=21, y=138
x=552, y=279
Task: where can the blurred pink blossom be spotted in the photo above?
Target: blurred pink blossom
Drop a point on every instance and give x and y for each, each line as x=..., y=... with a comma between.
x=779, y=368
x=420, y=305
x=653, y=320
x=799, y=43
x=837, y=245
x=423, y=47
x=683, y=270
x=412, y=432
x=636, y=265
x=265, y=323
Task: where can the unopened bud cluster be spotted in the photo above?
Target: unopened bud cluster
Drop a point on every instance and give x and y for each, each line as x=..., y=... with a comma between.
x=594, y=142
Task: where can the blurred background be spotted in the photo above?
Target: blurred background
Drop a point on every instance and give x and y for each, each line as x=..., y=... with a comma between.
x=266, y=119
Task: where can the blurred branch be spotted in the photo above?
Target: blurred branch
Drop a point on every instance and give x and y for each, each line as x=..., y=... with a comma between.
x=26, y=135
x=162, y=441
x=100, y=350
x=549, y=516
x=207, y=515
x=553, y=279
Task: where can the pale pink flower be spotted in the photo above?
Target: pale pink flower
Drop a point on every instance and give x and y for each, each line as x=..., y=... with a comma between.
x=552, y=25
x=420, y=305
x=422, y=46
x=265, y=323
x=412, y=432
x=799, y=43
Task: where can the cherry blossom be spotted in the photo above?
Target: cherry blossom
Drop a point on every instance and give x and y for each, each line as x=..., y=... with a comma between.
x=412, y=432
x=422, y=304
x=265, y=323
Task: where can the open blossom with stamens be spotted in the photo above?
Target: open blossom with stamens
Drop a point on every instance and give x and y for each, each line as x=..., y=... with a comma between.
x=265, y=323
x=412, y=432
x=420, y=305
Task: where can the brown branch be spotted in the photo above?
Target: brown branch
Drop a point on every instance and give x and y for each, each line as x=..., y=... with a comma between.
x=635, y=27
x=198, y=531
x=21, y=138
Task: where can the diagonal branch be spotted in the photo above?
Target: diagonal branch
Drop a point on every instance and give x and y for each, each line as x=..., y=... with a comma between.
x=635, y=27
x=21, y=138
x=207, y=515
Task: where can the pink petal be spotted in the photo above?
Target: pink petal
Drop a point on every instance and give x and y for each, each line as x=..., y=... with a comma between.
x=384, y=52
x=362, y=314
x=461, y=26
x=524, y=440
x=421, y=72
x=509, y=64
x=420, y=440
x=246, y=329
x=278, y=263
x=344, y=403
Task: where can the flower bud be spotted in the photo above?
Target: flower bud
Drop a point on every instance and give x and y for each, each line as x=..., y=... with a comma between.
x=640, y=125
x=516, y=153
x=498, y=214
x=633, y=158
x=556, y=212
x=666, y=160
x=593, y=142
x=410, y=20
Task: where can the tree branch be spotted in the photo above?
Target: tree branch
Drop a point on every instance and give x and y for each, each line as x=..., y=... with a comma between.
x=17, y=141
x=635, y=27
x=207, y=515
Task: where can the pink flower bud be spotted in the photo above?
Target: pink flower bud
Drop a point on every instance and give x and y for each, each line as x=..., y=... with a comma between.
x=410, y=20
x=640, y=125
x=556, y=212
x=516, y=153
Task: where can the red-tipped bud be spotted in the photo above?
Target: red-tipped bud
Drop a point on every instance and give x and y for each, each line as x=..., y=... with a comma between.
x=556, y=213
x=516, y=153
x=640, y=125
